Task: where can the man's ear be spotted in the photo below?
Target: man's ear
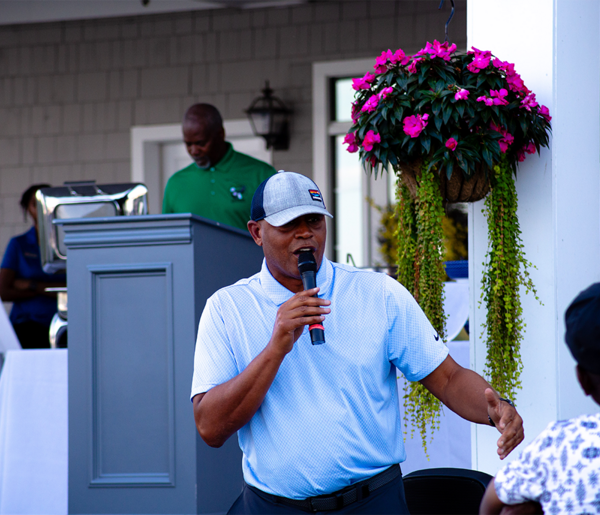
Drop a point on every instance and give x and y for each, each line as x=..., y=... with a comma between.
x=255, y=232
x=584, y=380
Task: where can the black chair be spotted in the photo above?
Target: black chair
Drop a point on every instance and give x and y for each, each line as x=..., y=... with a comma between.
x=445, y=491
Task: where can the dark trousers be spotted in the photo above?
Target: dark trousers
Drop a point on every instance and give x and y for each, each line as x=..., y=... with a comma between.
x=33, y=335
x=389, y=499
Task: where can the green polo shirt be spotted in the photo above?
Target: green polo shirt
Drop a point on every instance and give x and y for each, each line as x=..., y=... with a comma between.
x=222, y=192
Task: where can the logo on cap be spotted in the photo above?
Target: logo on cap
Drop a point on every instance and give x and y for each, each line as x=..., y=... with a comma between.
x=316, y=195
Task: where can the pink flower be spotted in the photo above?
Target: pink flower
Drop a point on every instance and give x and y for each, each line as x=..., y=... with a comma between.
x=351, y=141
x=505, y=142
x=438, y=50
x=382, y=61
x=488, y=101
x=461, y=94
x=385, y=92
x=383, y=58
x=451, y=143
x=480, y=61
x=499, y=97
x=545, y=113
x=414, y=125
x=520, y=155
x=363, y=83
x=412, y=67
x=506, y=139
x=370, y=104
x=399, y=57
x=530, y=148
x=355, y=112
x=528, y=102
x=370, y=139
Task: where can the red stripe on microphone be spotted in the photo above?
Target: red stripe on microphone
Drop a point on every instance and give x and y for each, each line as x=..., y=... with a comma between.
x=316, y=326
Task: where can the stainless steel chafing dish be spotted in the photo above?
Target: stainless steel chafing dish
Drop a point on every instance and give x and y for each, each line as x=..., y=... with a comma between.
x=84, y=199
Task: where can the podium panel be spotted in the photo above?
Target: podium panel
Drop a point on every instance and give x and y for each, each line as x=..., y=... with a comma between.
x=137, y=287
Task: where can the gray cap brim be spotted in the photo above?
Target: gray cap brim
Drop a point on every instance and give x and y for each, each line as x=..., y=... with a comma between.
x=287, y=215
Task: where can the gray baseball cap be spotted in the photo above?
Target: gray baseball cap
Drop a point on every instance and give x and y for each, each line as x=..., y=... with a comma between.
x=286, y=196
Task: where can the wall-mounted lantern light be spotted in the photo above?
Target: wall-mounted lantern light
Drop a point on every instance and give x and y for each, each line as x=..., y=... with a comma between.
x=269, y=118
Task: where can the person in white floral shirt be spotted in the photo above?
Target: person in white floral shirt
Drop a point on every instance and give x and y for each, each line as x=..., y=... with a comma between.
x=560, y=470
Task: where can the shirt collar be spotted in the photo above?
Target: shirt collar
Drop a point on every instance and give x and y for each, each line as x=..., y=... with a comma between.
x=280, y=294
x=224, y=165
x=31, y=236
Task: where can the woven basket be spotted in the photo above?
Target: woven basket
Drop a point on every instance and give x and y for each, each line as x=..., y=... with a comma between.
x=455, y=189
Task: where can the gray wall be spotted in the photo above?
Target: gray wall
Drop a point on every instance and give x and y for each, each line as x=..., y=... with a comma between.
x=71, y=91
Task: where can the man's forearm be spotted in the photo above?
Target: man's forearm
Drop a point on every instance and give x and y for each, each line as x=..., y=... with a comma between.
x=461, y=389
x=224, y=409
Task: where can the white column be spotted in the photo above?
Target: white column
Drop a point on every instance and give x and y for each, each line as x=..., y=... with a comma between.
x=555, y=47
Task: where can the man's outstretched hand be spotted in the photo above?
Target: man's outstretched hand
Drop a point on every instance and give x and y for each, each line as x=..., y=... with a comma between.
x=507, y=421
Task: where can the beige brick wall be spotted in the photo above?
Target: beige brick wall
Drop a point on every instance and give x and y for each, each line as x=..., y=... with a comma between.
x=70, y=91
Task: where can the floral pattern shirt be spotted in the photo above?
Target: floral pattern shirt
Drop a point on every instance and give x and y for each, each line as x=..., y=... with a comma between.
x=560, y=469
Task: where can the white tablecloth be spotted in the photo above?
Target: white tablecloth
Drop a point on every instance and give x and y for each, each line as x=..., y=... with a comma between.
x=33, y=432
x=8, y=338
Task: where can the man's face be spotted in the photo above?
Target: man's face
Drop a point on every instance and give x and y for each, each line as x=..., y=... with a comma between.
x=282, y=245
x=206, y=148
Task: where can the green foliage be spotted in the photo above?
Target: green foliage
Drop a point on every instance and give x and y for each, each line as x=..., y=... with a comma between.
x=506, y=271
x=429, y=249
x=454, y=228
x=421, y=271
x=406, y=239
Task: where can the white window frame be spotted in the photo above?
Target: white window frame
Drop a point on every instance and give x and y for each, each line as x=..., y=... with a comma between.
x=146, y=142
x=323, y=130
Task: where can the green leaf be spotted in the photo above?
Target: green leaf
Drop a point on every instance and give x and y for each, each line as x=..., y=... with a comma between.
x=447, y=113
x=449, y=168
x=426, y=142
x=487, y=157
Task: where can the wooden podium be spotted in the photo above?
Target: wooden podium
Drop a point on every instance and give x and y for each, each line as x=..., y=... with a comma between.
x=137, y=286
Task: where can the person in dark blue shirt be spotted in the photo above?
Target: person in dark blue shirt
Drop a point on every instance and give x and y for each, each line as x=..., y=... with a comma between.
x=23, y=281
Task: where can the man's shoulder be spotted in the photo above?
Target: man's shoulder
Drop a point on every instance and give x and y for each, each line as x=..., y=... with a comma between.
x=242, y=159
x=243, y=287
x=190, y=169
x=369, y=277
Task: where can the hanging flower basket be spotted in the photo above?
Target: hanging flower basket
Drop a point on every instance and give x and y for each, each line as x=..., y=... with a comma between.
x=453, y=127
x=457, y=188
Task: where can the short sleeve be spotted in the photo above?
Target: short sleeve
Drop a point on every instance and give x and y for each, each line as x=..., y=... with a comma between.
x=166, y=208
x=524, y=478
x=10, y=259
x=214, y=362
x=414, y=346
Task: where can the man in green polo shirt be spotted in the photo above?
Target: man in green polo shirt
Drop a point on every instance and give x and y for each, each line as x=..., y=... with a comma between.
x=219, y=184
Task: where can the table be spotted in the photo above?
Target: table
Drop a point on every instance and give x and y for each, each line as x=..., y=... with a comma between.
x=33, y=432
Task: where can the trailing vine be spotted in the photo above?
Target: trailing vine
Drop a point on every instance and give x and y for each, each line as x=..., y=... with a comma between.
x=421, y=271
x=430, y=240
x=506, y=271
x=406, y=237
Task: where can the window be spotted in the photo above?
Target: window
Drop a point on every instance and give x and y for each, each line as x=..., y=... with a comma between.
x=346, y=186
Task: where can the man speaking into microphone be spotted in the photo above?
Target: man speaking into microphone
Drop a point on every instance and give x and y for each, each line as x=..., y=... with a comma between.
x=319, y=425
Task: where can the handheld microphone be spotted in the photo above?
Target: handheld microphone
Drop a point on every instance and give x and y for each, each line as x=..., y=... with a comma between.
x=308, y=271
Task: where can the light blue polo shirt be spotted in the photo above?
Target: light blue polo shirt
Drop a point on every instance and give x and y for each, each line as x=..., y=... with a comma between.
x=331, y=417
